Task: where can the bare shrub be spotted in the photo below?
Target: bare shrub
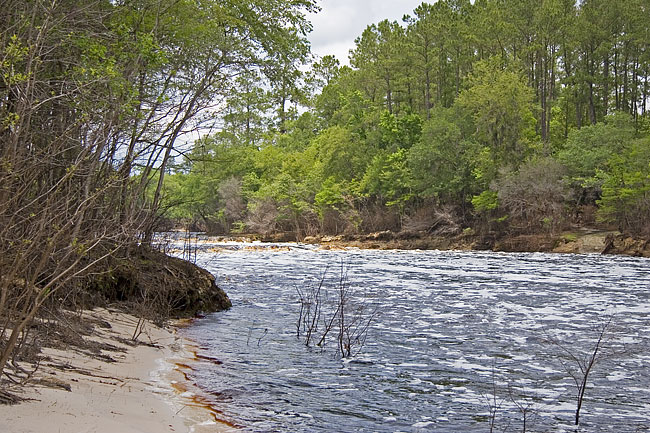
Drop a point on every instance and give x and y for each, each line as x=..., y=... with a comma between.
x=534, y=197
x=353, y=221
x=309, y=316
x=580, y=363
x=526, y=407
x=262, y=216
x=308, y=224
x=343, y=220
x=438, y=220
x=232, y=200
x=376, y=217
x=493, y=402
x=340, y=313
x=501, y=400
x=353, y=317
x=190, y=247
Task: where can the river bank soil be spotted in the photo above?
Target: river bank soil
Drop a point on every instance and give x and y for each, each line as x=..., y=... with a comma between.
x=157, y=286
x=101, y=362
x=580, y=241
x=111, y=383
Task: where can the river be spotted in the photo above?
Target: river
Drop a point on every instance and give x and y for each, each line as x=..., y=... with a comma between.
x=459, y=341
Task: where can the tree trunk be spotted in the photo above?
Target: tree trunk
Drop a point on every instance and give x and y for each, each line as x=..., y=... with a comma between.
x=427, y=92
x=625, y=106
x=645, y=95
x=543, y=96
x=457, y=71
x=635, y=90
x=551, y=93
x=616, y=87
x=605, y=84
x=592, y=77
x=389, y=94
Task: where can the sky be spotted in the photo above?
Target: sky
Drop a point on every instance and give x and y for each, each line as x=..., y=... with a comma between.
x=340, y=22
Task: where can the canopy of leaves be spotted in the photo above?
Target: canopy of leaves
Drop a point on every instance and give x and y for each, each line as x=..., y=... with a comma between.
x=438, y=110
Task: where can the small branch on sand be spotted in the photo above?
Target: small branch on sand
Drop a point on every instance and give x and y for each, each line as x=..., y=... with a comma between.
x=8, y=398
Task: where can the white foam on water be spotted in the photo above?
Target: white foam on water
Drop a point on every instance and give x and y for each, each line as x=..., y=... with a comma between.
x=449, y=321
x=616, y=376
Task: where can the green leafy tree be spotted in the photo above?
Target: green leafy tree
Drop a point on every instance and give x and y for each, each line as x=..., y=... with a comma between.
x=321, y=75
x=388, y=177
x=286, y=79
x=460, y=98
x=343, y=156
x=626, y=189
x=501, y=105
x=442, y=161
x=246, y=116
x=399, y=132
x=588, y=151
x=377, y=54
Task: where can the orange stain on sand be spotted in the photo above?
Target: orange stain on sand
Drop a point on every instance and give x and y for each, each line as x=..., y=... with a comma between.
x=193, y=393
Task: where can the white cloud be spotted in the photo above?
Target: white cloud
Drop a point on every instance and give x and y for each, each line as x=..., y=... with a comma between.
x=340, y=22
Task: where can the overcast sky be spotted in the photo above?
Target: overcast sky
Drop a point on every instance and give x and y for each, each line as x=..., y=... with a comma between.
x=341, y=21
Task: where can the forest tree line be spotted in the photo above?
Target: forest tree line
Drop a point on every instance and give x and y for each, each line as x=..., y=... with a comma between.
x=501, y=116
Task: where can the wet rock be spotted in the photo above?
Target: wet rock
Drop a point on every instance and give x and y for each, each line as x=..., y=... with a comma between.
x=621, y=244
x=526, y=243
x=385, y=235
x=407, y=235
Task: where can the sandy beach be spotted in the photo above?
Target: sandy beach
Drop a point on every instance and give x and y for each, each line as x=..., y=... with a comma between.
x=127, y=389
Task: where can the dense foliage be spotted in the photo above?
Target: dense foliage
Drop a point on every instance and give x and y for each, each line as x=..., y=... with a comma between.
x=515, y=116
x=95, y=96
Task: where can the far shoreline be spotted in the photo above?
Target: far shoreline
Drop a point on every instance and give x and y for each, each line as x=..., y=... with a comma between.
x=578, y=241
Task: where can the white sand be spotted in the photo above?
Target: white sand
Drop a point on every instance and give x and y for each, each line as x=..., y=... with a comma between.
x=144, y=391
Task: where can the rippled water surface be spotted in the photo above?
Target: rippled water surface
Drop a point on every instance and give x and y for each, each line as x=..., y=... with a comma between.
x=457, y=336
